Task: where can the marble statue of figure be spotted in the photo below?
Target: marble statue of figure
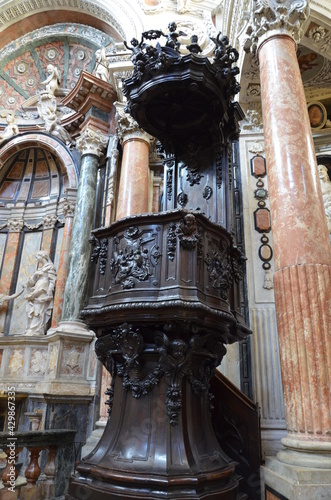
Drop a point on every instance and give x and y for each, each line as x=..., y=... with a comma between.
x=39, y=297
x=101, y=69
x=11, y=128
x=326, y=192
x=47, y=112
x=52, y=82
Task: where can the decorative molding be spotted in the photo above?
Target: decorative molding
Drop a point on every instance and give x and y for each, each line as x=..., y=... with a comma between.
x=68, y=208
x=15, y=225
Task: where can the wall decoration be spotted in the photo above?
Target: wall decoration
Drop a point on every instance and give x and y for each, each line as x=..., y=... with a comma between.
x=262, y=220
x=317, y=115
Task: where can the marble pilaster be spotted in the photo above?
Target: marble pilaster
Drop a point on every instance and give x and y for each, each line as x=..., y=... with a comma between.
x=133, y=186
x=15, y=227
x=69, y=211
x=49, y=223
x=301, y=242
x=91, y=143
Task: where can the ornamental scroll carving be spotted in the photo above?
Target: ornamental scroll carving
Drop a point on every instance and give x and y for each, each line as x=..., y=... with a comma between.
x=123, y=354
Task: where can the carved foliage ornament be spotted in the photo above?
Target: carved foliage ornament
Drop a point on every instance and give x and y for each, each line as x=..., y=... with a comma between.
x=220, y=267
x=269, y=15
x=122, y=354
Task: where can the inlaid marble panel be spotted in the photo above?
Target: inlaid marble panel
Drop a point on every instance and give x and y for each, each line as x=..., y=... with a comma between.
x=38, y=362
x=28, y=266
x=40, y=189
x=8, y=190
x=15, y=363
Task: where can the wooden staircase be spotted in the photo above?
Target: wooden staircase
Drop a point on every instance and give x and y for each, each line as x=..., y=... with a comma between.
x=236, y=423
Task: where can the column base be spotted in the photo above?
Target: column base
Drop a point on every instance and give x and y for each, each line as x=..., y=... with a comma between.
x=314, y=454
x=295, y=482
x=71, y=326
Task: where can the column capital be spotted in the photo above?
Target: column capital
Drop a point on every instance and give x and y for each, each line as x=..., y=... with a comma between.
x=50, y=221
x=128, y=128
x=92, y=141
x=15, y=225
x=69, y=208
x=275, y=17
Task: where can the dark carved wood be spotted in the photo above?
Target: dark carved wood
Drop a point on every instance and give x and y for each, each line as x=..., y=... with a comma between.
x=174, y=263
x=163, y=315
x=236, y=422
x=166, y=293
x=184, y=100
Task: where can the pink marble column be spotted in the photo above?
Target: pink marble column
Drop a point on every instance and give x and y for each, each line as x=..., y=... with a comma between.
x=302, y=254
x=134, y=171
x=133, y=187
x=14, y=227
x=69, y=210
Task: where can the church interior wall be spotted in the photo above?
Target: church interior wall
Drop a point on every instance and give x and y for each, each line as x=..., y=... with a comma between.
x=58, y=374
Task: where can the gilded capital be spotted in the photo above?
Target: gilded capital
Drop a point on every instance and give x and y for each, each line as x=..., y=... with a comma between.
x=91, y=141
x=275, y=17
x=127, y=127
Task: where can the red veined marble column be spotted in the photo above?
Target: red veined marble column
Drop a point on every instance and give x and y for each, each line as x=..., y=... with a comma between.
x=69, y=211
x=15, y=227
x=302, y=255
x=133, y=186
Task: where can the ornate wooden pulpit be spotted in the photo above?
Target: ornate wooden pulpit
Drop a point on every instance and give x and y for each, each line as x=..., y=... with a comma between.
x=166, y=293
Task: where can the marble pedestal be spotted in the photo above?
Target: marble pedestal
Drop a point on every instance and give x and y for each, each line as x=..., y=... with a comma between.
x=295, y=482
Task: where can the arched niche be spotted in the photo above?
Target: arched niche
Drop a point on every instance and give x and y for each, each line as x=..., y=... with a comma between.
x=37, y=177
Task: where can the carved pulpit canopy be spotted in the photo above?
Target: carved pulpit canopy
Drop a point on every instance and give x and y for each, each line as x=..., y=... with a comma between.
x=182, y=99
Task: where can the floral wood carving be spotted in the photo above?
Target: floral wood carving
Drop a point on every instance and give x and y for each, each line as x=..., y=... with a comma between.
x=219, y=267
x=122, y=352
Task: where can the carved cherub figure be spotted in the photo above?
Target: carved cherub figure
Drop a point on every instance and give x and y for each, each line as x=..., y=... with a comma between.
x=52, y=82
x=172, y=36
x=11, y=128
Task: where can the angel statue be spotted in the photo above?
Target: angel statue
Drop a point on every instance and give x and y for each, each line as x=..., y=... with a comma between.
x=101, y=68
x=39, y=297
x=52, y=82
x=52, y=123
x=11, y=128
x=172, y=36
